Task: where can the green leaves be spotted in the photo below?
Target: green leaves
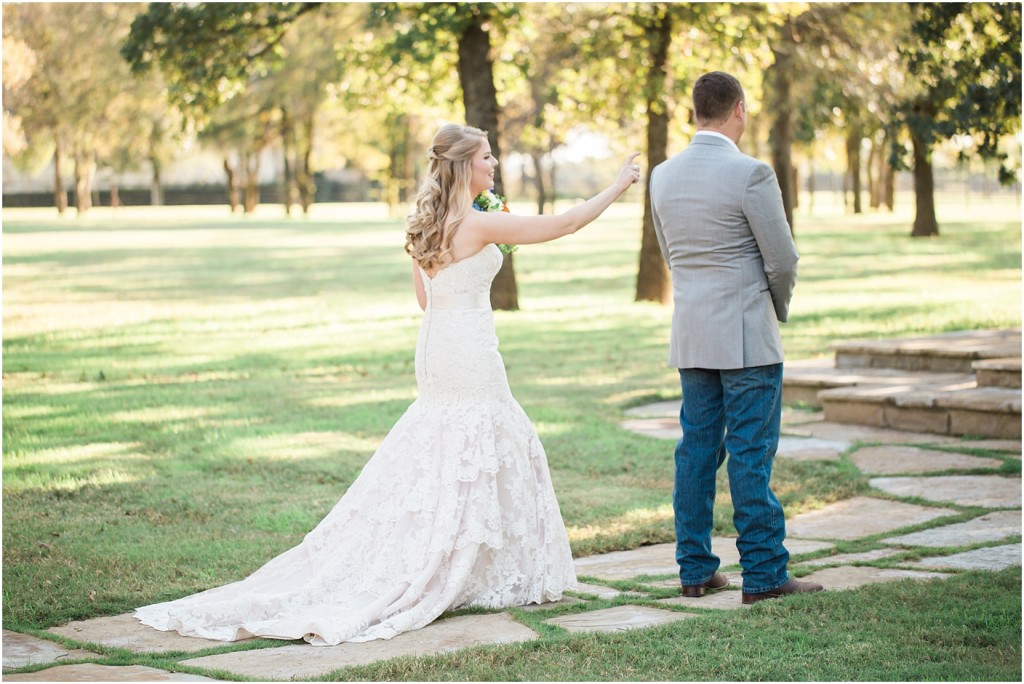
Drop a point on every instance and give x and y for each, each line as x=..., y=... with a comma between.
x=966, y=61
x=207, y=50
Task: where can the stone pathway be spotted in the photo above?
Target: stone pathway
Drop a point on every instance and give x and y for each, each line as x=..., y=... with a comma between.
x=922, y=520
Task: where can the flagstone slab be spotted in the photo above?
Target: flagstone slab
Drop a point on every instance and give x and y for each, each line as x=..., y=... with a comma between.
x=995, y=445
x=90, y=672
x=797, y=417
x=853, y=576
x=890, y=460
x=304, y=661
x=565, y=601
x=989, y=527
x=124, y=631
x=661, y=420
x=598, y=590
x=987, y=491
x=735, y=579
x=618, y=619
x=845, y=558
x=846, y=432
x=990, y=558
x=658, y=409
x=810, y=448
x=670, y=409
x=659, y=428
x=799, y=546
x=720, y=600
x=657, y=559
x=859, y=517
x=23, y=649
x=660, y=559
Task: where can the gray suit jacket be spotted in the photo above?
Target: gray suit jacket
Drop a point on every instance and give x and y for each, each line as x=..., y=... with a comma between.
x=720, y=222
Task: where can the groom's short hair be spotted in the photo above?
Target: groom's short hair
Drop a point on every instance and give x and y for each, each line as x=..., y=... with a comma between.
x=714, y=96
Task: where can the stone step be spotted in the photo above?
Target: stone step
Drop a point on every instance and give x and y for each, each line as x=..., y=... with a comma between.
x=977, y=411
x=1004, y=372
x=803, y=380
x=949, y=352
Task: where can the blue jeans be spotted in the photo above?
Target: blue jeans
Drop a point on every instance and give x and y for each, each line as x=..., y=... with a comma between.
x=739, y=412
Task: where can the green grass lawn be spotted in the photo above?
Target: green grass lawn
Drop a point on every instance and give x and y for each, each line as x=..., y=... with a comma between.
x=186, y=394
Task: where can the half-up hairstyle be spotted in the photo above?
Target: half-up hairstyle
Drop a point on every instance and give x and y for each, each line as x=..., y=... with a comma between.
x=444, y=193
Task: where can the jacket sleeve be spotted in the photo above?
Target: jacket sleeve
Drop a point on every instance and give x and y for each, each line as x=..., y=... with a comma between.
x=658, y=230
x=762, y=205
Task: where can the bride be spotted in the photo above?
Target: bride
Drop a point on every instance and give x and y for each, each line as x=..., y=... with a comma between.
x=456, y=507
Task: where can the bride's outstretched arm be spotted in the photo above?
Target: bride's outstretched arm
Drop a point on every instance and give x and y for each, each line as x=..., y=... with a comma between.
x=500, y=227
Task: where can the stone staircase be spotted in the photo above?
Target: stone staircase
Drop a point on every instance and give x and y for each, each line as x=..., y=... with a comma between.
x=962, y=383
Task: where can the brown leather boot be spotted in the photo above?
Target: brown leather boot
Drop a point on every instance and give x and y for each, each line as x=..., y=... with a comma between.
x=717, y=581
x=790, y=587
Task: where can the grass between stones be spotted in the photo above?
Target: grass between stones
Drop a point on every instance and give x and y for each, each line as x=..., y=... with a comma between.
x=185, y=395
x=963, y=628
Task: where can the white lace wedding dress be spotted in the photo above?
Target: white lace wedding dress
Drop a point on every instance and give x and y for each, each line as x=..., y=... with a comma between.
x=455, y=509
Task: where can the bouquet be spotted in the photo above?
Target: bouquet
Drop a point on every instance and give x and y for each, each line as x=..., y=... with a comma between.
x=489, y=201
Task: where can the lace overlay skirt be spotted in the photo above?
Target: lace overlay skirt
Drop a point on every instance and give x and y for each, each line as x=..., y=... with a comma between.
x=455, y=509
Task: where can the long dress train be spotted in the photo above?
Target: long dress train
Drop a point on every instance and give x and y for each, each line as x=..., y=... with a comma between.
x=455, y=509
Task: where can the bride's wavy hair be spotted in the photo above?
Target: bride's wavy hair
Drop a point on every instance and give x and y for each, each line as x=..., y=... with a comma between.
x=444, y=193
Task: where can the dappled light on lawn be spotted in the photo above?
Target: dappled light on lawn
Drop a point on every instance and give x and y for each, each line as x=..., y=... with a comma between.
x=634, y=519
x=170, y=373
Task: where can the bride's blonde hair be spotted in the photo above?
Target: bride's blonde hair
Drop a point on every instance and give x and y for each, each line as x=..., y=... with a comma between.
x=444, y=194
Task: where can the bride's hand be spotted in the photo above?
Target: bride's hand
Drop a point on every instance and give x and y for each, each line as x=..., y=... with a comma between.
x=629, y=174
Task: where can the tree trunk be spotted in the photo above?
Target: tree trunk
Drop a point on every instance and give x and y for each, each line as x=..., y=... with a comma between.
x=60, y=195
x=782, y=126
x=288, y=181
x=476, y=76
x=796, y=187
x=810, y=183
x=853, y=166
x=552, y=177
x=233, y=199
x=156, y=187
x=115, y=200
x=653, y=282
x=83, y=182
x=307, y=186
x=538, y=181
x=251, y=165
x=888, y=180
x=393, y=125
x=889, y=187
x=408, y=187
x=304, y=173
x=925, y=224
x=874, y=169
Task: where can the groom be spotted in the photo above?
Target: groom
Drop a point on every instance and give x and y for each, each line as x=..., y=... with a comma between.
x=720, y=222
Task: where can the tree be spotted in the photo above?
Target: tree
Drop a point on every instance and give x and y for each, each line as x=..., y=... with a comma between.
x=207, y=50
x=781, y=75
x=67, y=106
x=315, y=53
x=653, y=282
x=149, y=133
x=964, y=64
x=279, y=58
x=848, y=75
x=542, y=59
x=666, y=45
x=421, y=32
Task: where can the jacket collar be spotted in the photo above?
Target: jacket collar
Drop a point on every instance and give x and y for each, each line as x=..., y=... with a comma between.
x=713, y=138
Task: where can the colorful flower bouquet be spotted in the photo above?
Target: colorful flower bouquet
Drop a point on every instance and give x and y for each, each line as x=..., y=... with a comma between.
x=489, y=201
